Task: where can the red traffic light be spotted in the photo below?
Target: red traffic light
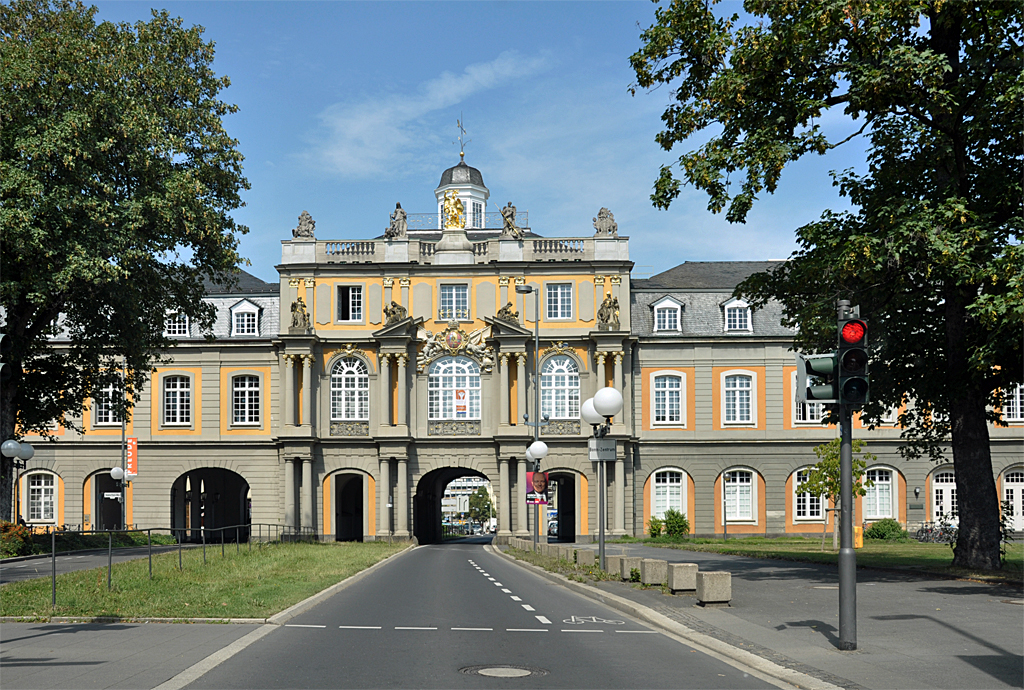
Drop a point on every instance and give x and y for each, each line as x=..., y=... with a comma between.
x=853, y=332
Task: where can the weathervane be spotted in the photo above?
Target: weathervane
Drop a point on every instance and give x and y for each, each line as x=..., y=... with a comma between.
x=462, y=134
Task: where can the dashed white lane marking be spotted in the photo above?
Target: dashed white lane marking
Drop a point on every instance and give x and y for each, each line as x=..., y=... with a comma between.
x=543, y=620
x=526, y=629
x=507, y=591
x=528, y=607
x=359, y=627
x=400, y=627
x=515, y=598
x=638, y=632
x=472, y=628
x=584, y=631
x=498, y=584
x=491, y=579
x=298, y=625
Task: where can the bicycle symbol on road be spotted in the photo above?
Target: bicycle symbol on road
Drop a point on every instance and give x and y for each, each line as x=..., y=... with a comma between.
x=578, y=620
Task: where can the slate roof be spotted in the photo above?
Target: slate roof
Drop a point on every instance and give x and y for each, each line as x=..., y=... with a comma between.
x=704, y=275
x=461, y=174
x=245, y=284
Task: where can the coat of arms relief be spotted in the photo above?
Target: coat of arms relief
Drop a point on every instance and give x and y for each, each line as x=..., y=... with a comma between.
x=454, y=341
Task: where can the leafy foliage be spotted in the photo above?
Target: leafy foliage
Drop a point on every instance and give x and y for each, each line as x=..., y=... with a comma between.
x=654, y=527
x=887, y=529
x=932, y=251
x=480, y=508
x=825, y=478
x=676, y=524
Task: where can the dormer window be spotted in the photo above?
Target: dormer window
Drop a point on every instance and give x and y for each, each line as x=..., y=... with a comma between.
x=668, y=316
x=176, y=325
x=245, y=319
x=737, y=317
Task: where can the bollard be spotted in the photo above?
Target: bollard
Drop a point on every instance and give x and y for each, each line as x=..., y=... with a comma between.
x=202, y=531
x=238, y=545
x=629, y=564
x=222, y=543
x=653, y=571
x=714, y=588
x=180, y=537
x=585, y=557
x=613, y=564
x=149, y=543
x=110, y=555
x=682, y=577
x=53, y=570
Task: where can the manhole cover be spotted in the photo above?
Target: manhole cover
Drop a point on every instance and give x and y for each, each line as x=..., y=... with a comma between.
x=1018, y=602
x=503, y=671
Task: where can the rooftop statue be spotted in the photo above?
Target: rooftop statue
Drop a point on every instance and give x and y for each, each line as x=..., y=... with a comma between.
x=306, y=227
x=506, y=313
x=509, y=227
x=454, y=210
x=605, y=224
x=399, y=224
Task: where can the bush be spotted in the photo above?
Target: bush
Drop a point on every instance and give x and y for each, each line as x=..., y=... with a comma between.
x=887, y=529
x=634, y=574
x=654, y=526
x=676, y=524
x=15, y=540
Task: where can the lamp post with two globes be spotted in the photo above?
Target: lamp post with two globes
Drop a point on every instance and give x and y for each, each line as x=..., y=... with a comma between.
x=20, y=454
x=598, y=412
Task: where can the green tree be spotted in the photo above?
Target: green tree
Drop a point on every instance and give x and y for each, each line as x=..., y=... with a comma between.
x=480, y=508
x=116, y=182
x=824, y=479
x=931, y=251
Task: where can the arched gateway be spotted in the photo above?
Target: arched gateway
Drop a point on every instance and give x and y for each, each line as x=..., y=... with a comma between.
x=209, y=498
x=427, y=501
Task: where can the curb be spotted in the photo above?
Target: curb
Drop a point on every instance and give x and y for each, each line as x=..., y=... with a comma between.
x=704, y=643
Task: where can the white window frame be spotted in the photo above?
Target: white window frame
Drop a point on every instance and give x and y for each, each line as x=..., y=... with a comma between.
x=182, y=400
x=246, y=399
x=1013, y=488
x=356, y=303
x=891, y=416
x=947, y=483
x=176, y=325
x=1013, y=405
x=744, y=423
x=681, y=390
x=737, y=519
x=453, y=302
x=683, y=485
x=47, y=497
x=741, y=307
x=668, y=306
x=811, y=500
x=245, y=309
x=478, y=214
x=560, y=387
x=813, y=413
x=870, y=501
x=558, y=301
x=350, y=390
x=103, y=407
x=443, y=381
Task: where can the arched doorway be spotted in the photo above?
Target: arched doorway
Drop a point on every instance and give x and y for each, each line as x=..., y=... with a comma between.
x=562, y=495
x=107, y=513
x=426, y=505
x=349, y=507
x=210, y=498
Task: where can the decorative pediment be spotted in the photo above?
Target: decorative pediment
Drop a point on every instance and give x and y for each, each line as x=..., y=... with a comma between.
x=501, y=327
x=558, y=348
x=454, y=341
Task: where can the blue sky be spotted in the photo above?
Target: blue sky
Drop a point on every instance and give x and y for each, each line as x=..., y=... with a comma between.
x=348, y=107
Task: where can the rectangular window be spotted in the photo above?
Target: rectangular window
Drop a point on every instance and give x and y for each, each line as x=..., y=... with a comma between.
x=40, y=497
x=103, y=407
x=177, y=400
x=176, y=325
x=737, y=399
x=666, y=319
x=737, y=319
x=1013, y=405
x=245, y=323
x=559, y=301
x=808, y=507
x=454, y=303
x=246, y=400
x=478, y=215
x=807, y=413
x=667, y=400
x=350, y=303
x=739, y=495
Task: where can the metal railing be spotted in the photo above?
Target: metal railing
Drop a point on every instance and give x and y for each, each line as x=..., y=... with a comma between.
x=492, y=220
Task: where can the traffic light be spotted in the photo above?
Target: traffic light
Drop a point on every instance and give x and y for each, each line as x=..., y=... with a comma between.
x=854, y=383
x=821, y=367
x=6, y=343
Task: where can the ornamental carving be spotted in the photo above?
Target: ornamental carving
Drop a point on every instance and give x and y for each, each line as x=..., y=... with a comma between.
x=562, y=427
x=349, y=349
x=306, y=228
x=608, y=314
x=350, y=428
x=454, y=341
x=605, y=224
x=454, y=210
x=557, y=348
x=453, y=428
x=507, y=313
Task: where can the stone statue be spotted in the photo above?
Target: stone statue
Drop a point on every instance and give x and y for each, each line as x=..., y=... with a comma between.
x=394, y=313
x=399, y=224
x=431, y=347
x=454, y=210
x=306, y=227
x=509, y=227
x=506, y=313
x=608, y=314
x=605, y=224
x=300, y=317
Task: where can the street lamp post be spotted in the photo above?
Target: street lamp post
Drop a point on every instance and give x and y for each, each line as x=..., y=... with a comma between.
x=605, y=404
x=538, y=449
x=20, y=454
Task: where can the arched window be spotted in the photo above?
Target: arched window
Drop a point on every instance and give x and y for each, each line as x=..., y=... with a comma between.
x=42, y=497
x=945, y=495
x=453, y=389
x=350, y=390
x=739, y=495
x=668, y=487
x=560, y=388
x=878, y=501
x=808, y=506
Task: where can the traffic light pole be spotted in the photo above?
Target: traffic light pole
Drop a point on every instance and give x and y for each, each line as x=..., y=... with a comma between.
x=847, y=556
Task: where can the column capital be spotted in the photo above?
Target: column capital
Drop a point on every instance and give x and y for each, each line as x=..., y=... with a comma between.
x=310, y=282
x=599, y=357
x=520, y=356
x=404, y=282
x=293, y=282
x=388, y=282
x=384, y=357
x=503, y=357
x=402, y=359
x=307, y=359
x=616, y=280
x=618, y=356
x=598, y=280
x=521, y=280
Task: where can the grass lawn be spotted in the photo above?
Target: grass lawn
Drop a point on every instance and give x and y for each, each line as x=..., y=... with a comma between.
x=244, y=585
x=910, y=555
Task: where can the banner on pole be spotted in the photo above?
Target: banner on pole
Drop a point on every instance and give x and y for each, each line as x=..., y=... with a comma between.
x=131, y=457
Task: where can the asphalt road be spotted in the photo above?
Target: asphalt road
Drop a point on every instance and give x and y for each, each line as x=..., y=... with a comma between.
x=427, y=617
x=29, y=569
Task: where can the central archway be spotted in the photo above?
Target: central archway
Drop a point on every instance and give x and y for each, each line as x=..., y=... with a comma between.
x=426, y=504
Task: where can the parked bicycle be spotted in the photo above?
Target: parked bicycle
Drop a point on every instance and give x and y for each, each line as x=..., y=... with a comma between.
x=936, y=533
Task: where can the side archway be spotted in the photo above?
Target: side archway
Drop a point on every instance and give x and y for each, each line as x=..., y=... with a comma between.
x=210, y=498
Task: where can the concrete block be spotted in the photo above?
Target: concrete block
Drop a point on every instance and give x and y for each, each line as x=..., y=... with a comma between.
x=714, y=588
x=653, y=571
x=613, y=564
x=565, y=553
x=628, y=564
x=585, y=557
x=682, y=577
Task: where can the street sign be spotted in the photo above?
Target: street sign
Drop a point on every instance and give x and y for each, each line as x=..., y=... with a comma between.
x=116, y=495
x=602, y=449
x=132, y=457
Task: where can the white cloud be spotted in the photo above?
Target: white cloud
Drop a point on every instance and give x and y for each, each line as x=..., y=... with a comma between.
x=378, y=134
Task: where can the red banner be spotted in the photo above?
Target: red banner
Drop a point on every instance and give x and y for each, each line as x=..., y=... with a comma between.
x=132, y=457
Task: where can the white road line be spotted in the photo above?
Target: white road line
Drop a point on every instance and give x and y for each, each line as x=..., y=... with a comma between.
x=400, y=627
x=359, y=627
x=543, y=620
x=485, y=574
x=528, y=607
x=472, y=628
x=491, y=579
x=526, y=629
x=298, y=625
x=498, y=584
x=515, y=598
x=638, y=632
x=507, y=591
x=196, y=671
x=597, y=631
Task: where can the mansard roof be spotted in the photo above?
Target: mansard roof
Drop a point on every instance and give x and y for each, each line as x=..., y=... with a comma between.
x=704, y=275
x=244, y=284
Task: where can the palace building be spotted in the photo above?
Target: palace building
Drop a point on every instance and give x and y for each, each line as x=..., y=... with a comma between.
x=342, y=400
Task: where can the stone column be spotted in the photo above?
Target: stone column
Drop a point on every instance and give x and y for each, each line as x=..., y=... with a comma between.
x=289, y=493
x=503, y=388
x=307, y=390
x=383, y=526
x=388, y=284
x=617, y=371
x=306, y=500
x=504, y=499
x=384, y=408
x=402, y=498
x=520, y=387
x=601, y=377
x=289, y=391
x=522, y=524
x=403, y=394
x=627, y=388
x=620, y=496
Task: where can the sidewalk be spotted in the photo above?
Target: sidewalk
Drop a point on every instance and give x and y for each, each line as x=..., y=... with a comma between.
x=912, y=632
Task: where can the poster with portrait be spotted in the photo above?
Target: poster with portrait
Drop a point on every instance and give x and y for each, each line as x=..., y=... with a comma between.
x=460, y=402
x=537, y=488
